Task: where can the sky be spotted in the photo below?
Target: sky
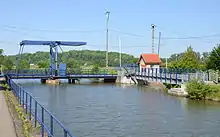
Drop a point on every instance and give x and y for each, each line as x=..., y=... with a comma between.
x=130, y=21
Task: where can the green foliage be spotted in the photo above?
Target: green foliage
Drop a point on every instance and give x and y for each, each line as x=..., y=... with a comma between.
x=169, y=86
x=23, y=64
x=1, y=51
x=5, y=86
x=8, y=64
x=5, y=61
x=213, y=61
x=189, y=59
x=200, y=90
x=43, y=64
x=75, y=59
x=95, y=69
x=15, y=107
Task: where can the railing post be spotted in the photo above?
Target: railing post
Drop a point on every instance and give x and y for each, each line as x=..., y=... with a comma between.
x=152, y=74
x=176, y=77
x=42, y=120
x=26, y=102
x=182, y=78
x=203, y=76
x=188, y=76
x=165, y=75
x=35, y=114
x=51, y=125
x=148, y=73
x=30, y=107
x=65, y=133
x=196, y=75
x=170, y=77
x=22, y=98
x=19, y=95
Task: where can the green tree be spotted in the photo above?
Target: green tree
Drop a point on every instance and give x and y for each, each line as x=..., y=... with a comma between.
x=1, y=51
x=76, y=58
x=8, y=64
x=23, y=64
x=189, y=59
x=95, y=68
x=213, y=61
x=43, y=64
x=1, y=57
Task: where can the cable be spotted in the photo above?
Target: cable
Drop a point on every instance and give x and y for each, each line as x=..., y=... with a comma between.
x=49, y=30
x=192, y=37
x=112, y=30
x=22, y=33
x=128, y=33
x=188, y=37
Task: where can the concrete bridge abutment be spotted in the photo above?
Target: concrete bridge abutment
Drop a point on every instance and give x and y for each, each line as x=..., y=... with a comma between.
x=71, y=81
x=110, y=80
x=50, y=81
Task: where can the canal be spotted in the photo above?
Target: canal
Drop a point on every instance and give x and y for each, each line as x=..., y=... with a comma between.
x=110, y=110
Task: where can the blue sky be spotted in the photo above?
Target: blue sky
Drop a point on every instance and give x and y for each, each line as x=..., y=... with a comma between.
x=85, y=20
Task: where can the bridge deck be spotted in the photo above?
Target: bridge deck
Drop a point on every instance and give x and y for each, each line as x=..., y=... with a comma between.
x=34, y=76
x=173, y=78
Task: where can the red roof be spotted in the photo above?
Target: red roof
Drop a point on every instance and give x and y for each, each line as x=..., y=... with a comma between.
x=150, y=58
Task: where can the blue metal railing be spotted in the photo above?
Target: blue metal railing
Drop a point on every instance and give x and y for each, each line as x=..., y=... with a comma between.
x=45, y=72
x=38, y=112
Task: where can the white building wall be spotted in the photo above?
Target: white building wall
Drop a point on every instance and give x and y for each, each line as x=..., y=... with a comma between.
x=148, y=66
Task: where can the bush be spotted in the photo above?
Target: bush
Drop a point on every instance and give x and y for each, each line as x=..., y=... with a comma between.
x=199, y=90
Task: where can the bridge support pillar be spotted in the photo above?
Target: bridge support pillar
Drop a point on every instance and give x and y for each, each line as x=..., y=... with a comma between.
x=110, y=80
x=43, y=81
x=71, y=81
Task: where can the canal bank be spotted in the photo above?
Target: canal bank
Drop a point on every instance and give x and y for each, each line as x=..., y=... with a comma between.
x=14, y=121
x=7, y=127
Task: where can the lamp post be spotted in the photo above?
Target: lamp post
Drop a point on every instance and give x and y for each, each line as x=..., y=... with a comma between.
x=107, y=20
x=119, y=39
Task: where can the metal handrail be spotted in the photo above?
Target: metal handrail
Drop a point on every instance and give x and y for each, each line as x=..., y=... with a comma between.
x=26, y=100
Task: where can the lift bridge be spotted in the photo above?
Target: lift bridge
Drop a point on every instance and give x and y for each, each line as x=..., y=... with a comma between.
x=54, y=46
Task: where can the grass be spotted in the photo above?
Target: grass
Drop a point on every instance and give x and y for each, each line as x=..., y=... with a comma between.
x=202, y=91
x=216, y=94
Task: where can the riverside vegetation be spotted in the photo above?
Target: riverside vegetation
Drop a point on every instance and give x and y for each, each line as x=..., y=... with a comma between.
x=199, y=90
x=23, y=126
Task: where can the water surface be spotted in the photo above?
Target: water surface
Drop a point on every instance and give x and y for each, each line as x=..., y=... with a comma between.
x=109, y=110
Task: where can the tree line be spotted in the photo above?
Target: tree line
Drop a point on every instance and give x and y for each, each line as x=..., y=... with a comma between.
x=87, y=58
x=191, y=59
x=74, y=59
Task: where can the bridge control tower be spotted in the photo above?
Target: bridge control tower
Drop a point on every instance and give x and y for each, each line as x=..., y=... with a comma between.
x=54, y=46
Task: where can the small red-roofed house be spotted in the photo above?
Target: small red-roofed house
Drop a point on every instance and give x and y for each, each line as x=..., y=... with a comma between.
x=149, y=61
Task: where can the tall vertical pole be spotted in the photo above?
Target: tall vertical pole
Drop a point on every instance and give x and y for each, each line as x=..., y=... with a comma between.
x=107, y=20
x=159, y=44
x=152, y=26
x=166, y=62
x=56, y=57
x=18, y=59
x=51, y=62
x=119, y=50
